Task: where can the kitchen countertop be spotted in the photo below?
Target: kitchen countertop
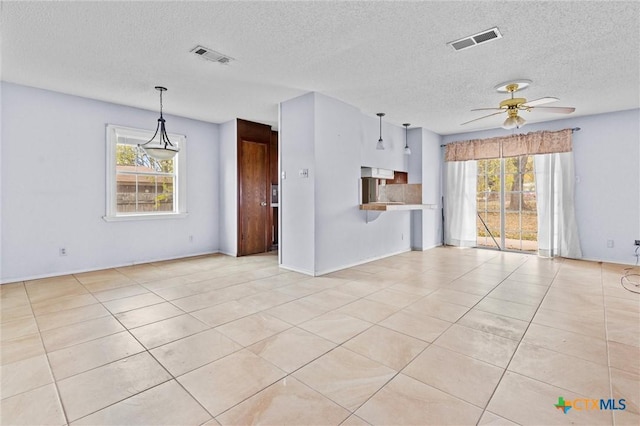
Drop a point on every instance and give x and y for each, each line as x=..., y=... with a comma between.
x=393, y=206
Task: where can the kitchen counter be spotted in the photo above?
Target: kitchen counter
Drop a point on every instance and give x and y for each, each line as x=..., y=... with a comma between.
x=393, y=206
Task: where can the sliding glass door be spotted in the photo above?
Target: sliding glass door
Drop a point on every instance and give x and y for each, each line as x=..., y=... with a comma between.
x=506, y=204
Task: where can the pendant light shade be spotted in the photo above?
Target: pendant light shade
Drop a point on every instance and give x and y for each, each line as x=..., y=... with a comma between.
x=407, y=150
x=160, y=147
x=380, y=144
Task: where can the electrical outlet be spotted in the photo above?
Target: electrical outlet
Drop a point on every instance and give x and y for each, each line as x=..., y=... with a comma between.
x=190, y=238
x=609, y=243
x=63, y=251
x=637, y=243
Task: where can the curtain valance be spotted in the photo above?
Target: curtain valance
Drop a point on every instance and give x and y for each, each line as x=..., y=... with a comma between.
x=543, y=142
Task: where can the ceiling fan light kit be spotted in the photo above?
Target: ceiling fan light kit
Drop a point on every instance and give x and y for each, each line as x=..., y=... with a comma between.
x=513, y=105
x=513, y=121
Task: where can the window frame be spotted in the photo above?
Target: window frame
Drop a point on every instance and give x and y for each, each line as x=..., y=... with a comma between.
x=180, y=184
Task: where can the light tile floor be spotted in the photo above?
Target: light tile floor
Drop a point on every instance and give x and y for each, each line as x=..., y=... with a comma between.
x=445, y=336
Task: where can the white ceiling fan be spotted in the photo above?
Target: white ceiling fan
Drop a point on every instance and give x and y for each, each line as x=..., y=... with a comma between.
x=513, y=105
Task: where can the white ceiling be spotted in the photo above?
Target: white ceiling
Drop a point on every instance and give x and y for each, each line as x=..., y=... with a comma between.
x=387, y=57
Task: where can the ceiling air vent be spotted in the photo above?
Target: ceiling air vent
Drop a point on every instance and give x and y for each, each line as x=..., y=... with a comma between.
x=476, y=39
x=211, y=55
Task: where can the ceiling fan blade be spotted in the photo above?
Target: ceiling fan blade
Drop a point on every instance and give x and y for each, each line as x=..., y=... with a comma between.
x=476, y=119
x=560, y=110
x=488, y=109
x=540, y=101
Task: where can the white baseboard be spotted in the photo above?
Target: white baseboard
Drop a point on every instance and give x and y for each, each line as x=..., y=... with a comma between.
x=298, y=270
x=615, y=262
x=361, y=262
x=99, y=268
x=425, y=248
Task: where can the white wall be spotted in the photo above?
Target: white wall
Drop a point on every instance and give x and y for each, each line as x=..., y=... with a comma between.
x=296, y=198
x=345, y=140
x=425, y=168
x=228, y=178
x=414, y=140
x=323, y=229
x=607, y=160
x=431, y=188
x=54, y=179
x=1, y=180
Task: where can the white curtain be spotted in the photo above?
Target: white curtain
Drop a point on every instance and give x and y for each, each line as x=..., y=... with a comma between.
x=460, y=203
x=557, y=227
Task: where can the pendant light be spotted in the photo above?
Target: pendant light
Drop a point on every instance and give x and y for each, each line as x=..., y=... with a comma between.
x=407, y=150
x=161, y=148
x=380, y=144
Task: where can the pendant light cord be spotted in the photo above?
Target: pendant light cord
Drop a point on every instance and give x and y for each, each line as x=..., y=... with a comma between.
x=164, y=138
x=380, y=144
x=161, y=103
x=406, y=136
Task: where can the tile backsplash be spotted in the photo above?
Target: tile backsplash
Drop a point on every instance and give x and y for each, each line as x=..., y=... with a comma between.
x=407, y=193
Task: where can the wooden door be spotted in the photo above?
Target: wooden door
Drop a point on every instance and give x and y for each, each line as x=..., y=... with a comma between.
x=255, y=185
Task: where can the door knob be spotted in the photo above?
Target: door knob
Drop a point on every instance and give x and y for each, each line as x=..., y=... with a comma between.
x=263, y=203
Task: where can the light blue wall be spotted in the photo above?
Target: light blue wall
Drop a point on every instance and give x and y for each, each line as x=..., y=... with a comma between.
x=431, y=188
x=228, y=177
x=53, y=169
x=425, y=168
x=297, y=193
x=323, y=229
x=345, y=140
x=607, y=163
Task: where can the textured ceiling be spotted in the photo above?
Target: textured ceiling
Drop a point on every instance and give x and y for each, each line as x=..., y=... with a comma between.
x=387, y=57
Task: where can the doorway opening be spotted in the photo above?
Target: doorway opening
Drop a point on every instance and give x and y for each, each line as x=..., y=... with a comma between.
x=507, y=217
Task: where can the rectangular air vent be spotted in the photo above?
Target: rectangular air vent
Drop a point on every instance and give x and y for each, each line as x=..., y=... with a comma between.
x=211, y=55
x=476, y=39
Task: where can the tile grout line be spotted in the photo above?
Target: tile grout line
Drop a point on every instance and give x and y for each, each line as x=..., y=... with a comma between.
x=520, y=342
x=290, y=374
x=146, y=350
x=339, y=345
x=242, y=347
x=606, y=340
x=484, y=409
x=506, y=368
x=417, y=355
x=112, y=362
x=46, y=353
x=412, y=359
